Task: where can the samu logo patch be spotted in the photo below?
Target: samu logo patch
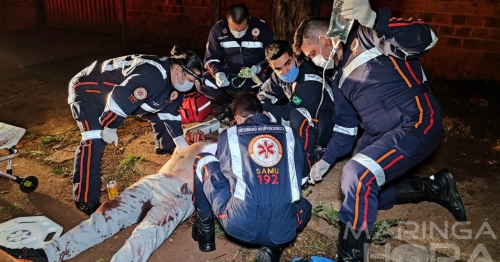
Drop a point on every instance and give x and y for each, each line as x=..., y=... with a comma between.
x=296, y=100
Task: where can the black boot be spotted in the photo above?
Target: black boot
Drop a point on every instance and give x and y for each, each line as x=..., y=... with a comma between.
x=225, y=100
x=29, y=254
x=439, y=188
x=268, y=254
x=87, y=207
x=204, y=232
x=353, y=244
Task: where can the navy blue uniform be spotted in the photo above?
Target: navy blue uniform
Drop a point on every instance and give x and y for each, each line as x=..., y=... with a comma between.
x=236, y=53
x=380, y=86
x=104, y=95
x=304, y=103
x=253, y=185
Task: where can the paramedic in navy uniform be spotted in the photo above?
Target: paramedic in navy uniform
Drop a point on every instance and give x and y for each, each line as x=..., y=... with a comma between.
x=378, y=84
x=234, y=43
x=102, y=95
x=252, y=184
x=296, y=95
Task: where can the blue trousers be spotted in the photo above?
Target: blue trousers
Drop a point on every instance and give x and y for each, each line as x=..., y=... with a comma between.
x=380, y=159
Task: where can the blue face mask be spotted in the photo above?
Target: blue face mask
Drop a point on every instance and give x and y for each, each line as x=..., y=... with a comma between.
x=291, y=75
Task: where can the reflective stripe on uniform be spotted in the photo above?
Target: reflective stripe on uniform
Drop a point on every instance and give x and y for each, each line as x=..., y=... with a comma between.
x=273, y=119
x=229, y=44
x=306, y=114
x=114, y=107
x=357, y=62
x=251, y=44
x=236, y=163
x=147, y=108
x=211, y=60
x=290, y=143
x=373, y=166
x=205, y=160
x=434, y=40
x=352, y=131
x=92, y=134
x=168, y=116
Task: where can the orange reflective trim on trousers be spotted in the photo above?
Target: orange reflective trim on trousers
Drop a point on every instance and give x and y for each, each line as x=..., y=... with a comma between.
x=358, y=189
x=431, y=121
x=400, y=72
x=88, y=171
x=301, y=127
x=307, y=137
x=411, y=72
x=365, y=216
x=421, y=115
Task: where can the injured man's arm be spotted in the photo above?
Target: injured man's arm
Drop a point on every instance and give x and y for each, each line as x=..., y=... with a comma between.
x=158, y=202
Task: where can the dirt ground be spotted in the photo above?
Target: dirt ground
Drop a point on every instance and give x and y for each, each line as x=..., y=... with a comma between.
x=36, y=65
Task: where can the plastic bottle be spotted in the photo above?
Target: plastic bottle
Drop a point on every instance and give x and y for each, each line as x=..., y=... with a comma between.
x=339, y=27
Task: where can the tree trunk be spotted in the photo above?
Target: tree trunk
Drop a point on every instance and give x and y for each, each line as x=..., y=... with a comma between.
x=287, y=15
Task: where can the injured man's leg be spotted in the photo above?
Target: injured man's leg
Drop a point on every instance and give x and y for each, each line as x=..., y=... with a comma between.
x=158, y=202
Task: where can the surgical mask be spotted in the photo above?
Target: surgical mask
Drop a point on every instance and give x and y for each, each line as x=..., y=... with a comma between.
x=238, y=34
x=184, y=87
x=321, y=62
x=291, y=75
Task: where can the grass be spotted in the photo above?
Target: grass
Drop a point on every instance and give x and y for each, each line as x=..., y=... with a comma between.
x=48, y=140
x=59, y=170
x=36, y=153
x=381, y=229
x=11, y=207
x=129, y=162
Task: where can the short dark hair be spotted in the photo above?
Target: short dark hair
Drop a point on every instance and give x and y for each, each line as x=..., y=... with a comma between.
x=309, y=29
x=277, y=48
x=187, y=60
x=246, y=104
x=238, y=13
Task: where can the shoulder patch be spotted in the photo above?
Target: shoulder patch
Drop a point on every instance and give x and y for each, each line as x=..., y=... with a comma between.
x=296, y=100
x=140, y=93
x=313, y=77
x=265, y=150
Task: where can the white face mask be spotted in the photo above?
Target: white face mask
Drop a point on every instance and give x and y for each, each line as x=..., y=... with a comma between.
x=238, y=34
x=321, y=62
x=184, y=87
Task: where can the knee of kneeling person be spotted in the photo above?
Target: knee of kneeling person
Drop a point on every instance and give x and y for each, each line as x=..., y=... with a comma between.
x=351, y=174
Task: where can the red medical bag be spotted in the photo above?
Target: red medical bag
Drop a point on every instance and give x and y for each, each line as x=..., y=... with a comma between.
x=195, y=107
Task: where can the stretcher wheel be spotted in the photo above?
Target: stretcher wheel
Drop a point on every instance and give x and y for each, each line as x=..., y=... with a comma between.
x=28, y=184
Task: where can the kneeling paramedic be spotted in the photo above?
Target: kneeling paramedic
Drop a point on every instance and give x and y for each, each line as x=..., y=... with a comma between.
x=252, y=184
x=102, y=96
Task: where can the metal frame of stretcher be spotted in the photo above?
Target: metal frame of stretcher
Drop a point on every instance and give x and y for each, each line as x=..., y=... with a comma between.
x=9, y=136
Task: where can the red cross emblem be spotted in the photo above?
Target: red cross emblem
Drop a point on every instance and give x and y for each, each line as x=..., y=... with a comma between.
x=266, y=149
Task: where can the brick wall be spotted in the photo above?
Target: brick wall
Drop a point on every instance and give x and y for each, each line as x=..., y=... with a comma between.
x=468, y=32
x=17, y=15
x=182, y=22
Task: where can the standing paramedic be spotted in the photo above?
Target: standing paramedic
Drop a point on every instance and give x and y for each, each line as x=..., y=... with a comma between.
x=297, y=95
x=378, y=84
x=252, y=184
x=235, y=43
x=102, y=95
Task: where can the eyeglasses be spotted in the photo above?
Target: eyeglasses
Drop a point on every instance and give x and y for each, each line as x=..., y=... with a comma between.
x=197, y=77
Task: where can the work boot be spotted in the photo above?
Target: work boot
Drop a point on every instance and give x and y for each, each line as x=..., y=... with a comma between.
x=160, y=151
x=439, y=188
x=353, y=244
x=204, y=232
x=27, y=254
x=268, y=254
x=87, y=207
x=226, y=116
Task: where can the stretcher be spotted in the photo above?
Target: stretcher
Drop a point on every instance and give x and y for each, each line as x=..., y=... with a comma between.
x=9, y=137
